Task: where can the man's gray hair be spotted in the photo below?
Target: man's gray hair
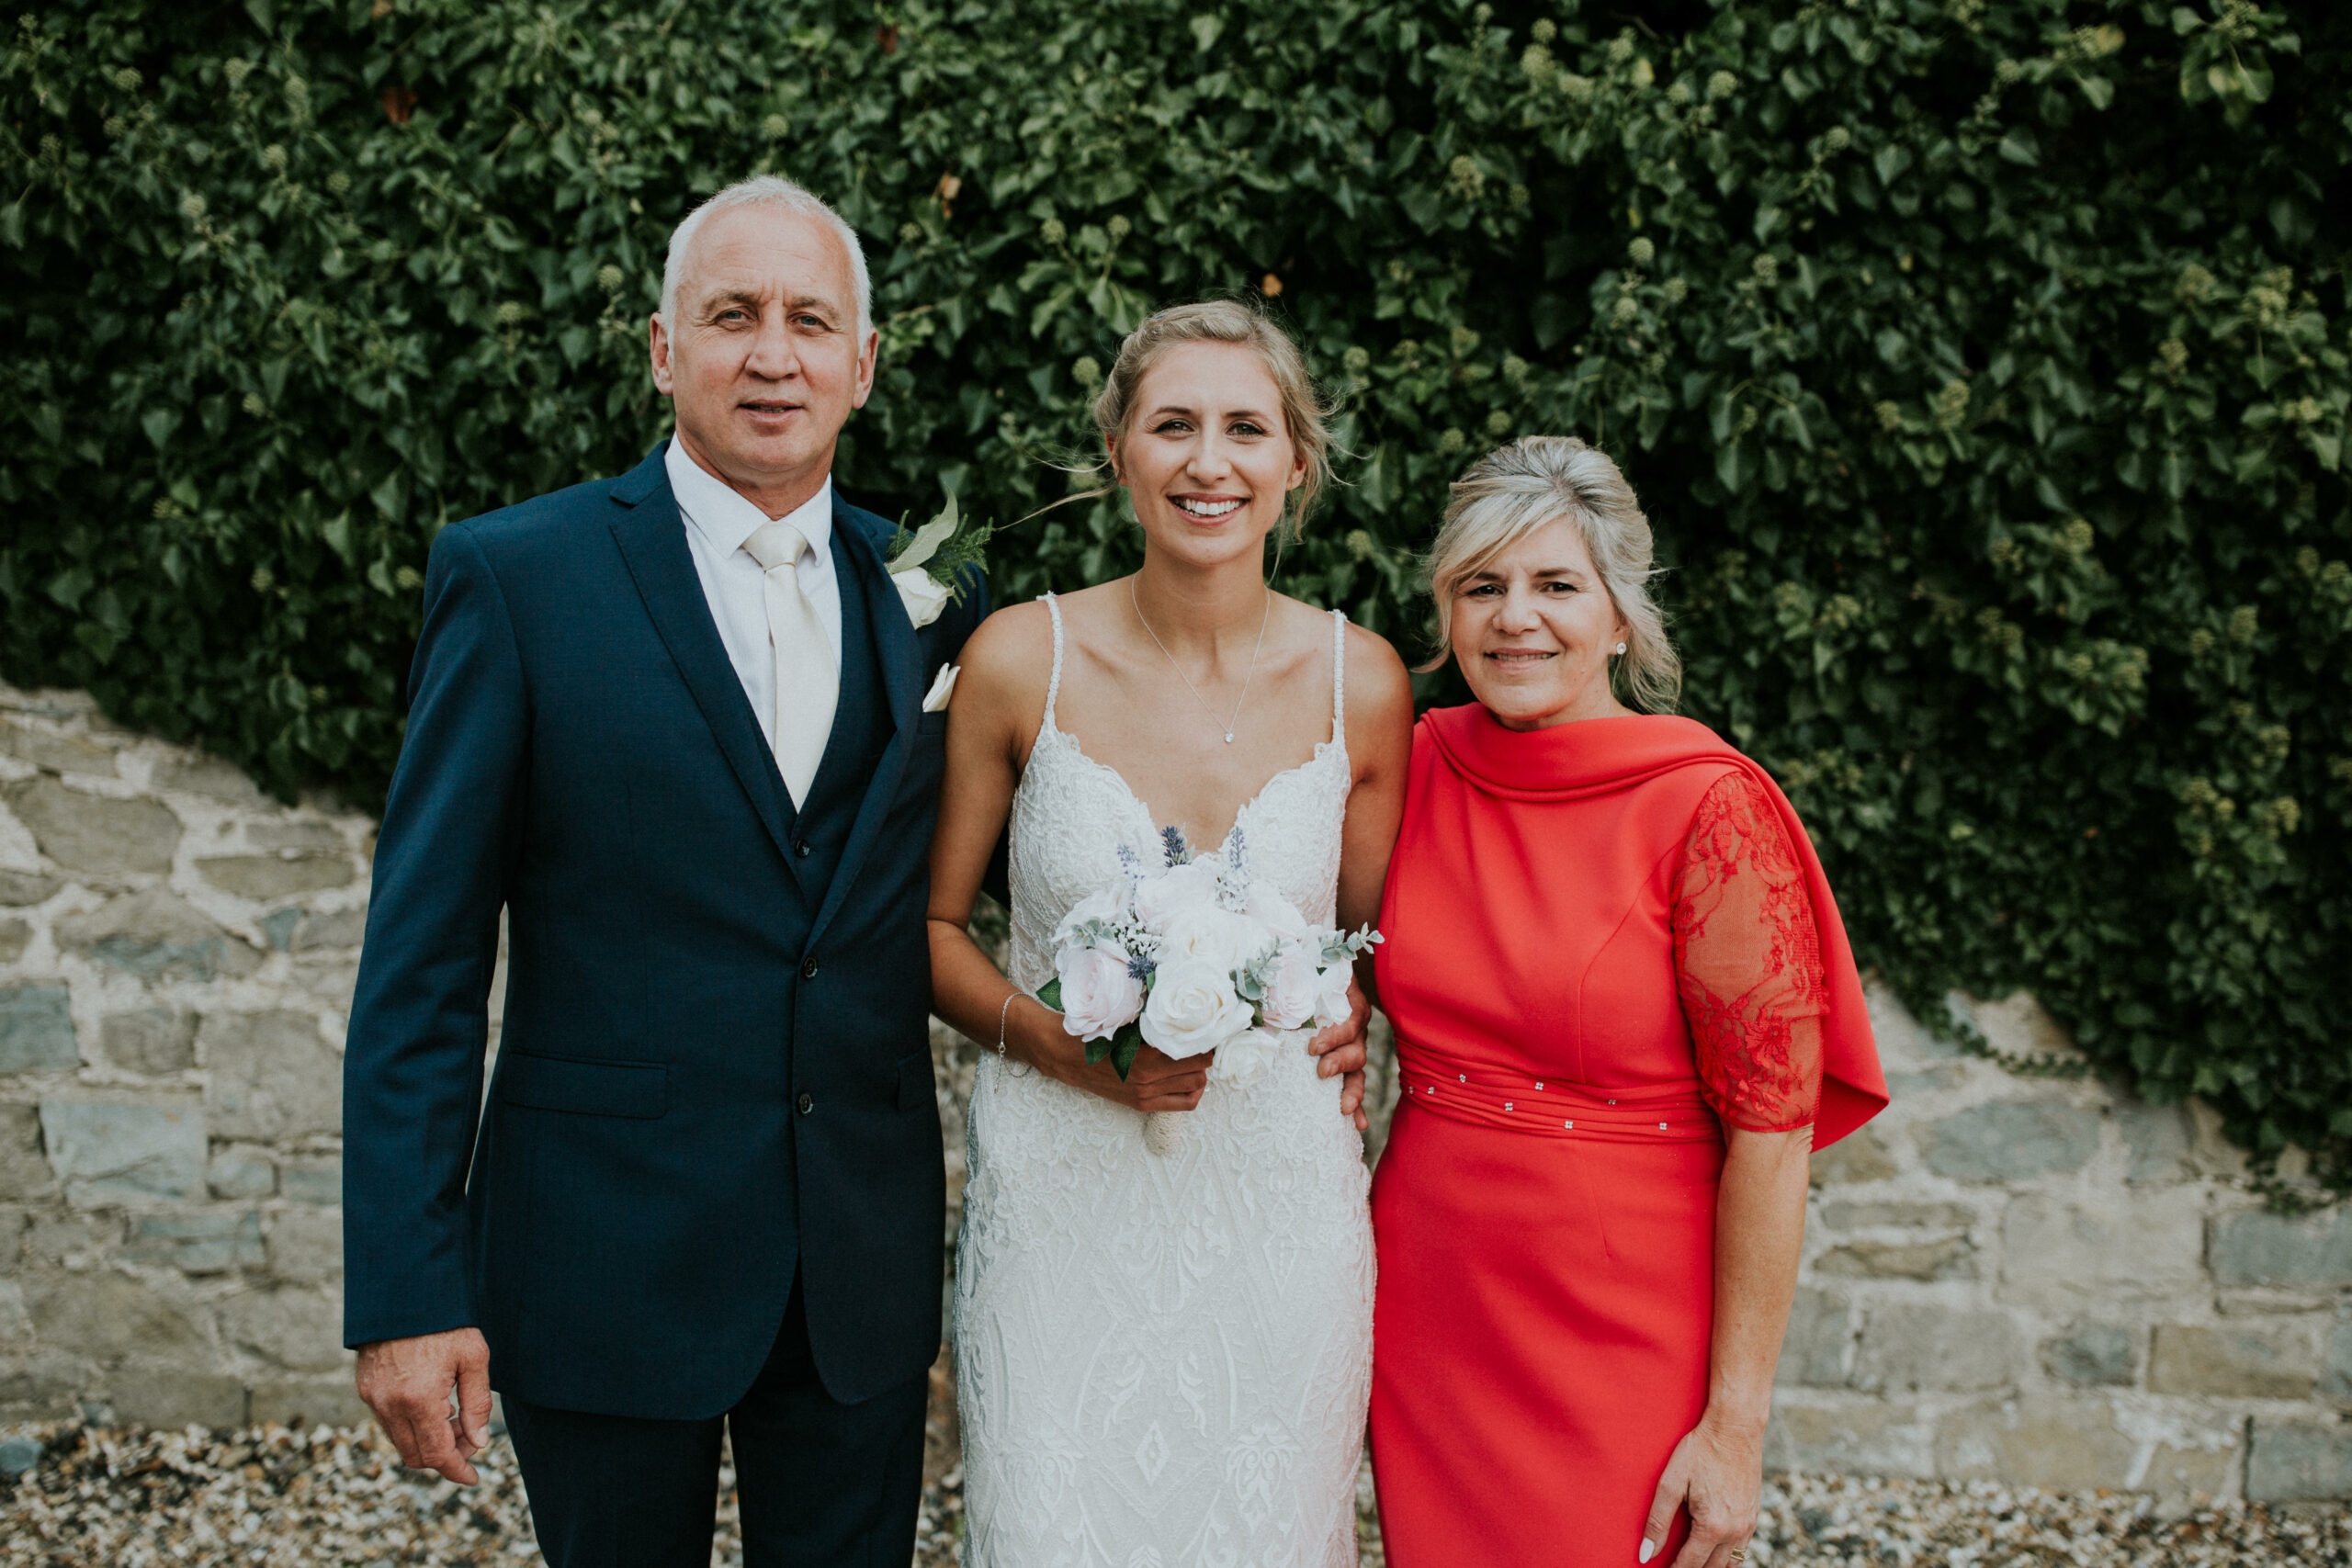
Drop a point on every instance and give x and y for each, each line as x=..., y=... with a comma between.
x=766, y=190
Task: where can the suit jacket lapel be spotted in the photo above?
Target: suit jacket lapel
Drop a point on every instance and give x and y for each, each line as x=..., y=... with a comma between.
x=899, y=654
x=652, y=539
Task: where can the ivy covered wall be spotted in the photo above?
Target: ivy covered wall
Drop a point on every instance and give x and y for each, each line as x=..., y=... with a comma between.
x=1984, y=365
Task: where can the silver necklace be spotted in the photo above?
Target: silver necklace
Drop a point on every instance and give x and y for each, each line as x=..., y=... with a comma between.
x=1226, y=725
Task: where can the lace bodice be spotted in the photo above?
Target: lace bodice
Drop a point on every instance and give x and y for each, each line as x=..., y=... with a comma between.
x=1071, y=816
x=1162, y=1359
x=1748, y=962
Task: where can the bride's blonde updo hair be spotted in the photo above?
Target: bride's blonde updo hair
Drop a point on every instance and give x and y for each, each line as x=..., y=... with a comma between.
x=1538, y=479
x=1306, y=416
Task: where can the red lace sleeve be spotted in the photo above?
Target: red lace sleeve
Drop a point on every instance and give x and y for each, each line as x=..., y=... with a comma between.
x=1748, y=962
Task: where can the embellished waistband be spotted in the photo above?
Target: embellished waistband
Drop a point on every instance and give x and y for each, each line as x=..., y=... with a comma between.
x=1489, y=1097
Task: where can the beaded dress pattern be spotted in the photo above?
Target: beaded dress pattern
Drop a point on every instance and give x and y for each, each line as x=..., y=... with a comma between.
x=1162, y=1362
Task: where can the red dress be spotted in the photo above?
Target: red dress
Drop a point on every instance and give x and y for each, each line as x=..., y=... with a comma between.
x=1604, y=938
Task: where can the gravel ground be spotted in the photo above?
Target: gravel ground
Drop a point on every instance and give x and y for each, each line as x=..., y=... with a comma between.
x=96, y=1498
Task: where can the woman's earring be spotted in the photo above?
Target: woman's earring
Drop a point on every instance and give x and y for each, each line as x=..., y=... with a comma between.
x=1621, y=647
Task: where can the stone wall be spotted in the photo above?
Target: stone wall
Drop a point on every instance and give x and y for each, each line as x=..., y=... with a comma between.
x=2035, y=1280
x=176, y=957
x=2050, y=1281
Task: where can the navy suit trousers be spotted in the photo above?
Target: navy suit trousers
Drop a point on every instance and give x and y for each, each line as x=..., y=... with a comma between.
x=819, y=1483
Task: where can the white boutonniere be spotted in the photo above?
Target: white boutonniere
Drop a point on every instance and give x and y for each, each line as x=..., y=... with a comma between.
x=927, y=571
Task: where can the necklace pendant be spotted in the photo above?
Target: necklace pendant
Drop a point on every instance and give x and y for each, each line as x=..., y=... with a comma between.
x=1228, y=737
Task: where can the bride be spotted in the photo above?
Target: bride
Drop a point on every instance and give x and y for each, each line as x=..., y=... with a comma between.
x=1163, y=1357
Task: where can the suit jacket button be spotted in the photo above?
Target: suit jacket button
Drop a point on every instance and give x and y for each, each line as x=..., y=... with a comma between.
x=808, y=970
x=808, y=1102
x=802, y=849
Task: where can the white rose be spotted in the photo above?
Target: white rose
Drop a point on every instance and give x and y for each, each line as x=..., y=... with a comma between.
x=924, y=598
x=1178, y=888
x=1245, y=1055
x=1293, y=990
x=1192, y=1008
x=1100, y=995
x=1218, y=938
x=1108, y=905
x=1274, y=912
x=1331, y=1003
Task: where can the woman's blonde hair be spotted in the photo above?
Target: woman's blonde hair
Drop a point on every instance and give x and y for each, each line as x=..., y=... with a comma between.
x=1538, y=479
x=1306, y=415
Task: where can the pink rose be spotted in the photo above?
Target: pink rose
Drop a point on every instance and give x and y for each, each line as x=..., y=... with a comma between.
x=1100, y=997
x=1293, y=990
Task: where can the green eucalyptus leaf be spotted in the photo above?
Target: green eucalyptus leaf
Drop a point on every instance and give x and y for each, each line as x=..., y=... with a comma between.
x=1125, y=1045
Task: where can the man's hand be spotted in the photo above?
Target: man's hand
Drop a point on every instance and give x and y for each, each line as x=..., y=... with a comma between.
x=1342, y=1050
x=407, y=1384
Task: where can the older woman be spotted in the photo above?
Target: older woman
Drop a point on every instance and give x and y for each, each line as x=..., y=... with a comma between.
x=1625, y=1010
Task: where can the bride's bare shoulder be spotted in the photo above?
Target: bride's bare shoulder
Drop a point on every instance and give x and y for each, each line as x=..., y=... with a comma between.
x=1380, y=698
x=1012, y=652
x=1090, y=610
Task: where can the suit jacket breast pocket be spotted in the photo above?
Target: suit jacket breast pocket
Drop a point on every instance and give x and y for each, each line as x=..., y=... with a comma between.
x=584, y=1087
x=926, y=761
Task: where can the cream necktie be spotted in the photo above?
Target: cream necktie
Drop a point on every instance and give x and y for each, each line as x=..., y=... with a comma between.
x=806, y=681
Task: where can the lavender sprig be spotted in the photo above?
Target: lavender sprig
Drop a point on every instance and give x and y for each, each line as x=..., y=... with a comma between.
x=1233, y=877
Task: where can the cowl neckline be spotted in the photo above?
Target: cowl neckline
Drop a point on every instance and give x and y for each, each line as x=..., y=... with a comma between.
x=1593, y=757
x=1567, y=761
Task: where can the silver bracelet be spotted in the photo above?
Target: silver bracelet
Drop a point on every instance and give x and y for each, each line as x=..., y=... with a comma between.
x=1000, y=1013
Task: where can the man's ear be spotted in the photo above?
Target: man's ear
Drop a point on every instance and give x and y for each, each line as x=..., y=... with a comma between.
x=868, y=359
x=658, y=350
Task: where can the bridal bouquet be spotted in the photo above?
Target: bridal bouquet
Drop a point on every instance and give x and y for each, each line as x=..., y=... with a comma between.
x=1195, y=954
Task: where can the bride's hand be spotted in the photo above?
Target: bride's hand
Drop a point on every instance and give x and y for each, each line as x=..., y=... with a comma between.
x=1155, y=1082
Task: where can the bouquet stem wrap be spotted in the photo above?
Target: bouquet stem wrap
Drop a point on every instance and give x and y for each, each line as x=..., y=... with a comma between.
x=1163, y=1132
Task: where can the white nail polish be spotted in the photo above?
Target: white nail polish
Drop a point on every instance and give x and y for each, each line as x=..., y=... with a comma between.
x=1649, y=1550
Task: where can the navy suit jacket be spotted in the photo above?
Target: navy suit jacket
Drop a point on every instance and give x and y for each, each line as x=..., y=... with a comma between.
x=715, y=1065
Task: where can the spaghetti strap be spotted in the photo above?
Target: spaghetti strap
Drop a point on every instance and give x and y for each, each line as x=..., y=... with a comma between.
x=1340, y=676
x=1054, y=684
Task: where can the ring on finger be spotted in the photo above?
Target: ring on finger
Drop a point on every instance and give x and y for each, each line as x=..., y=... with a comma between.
x=1738, y=1554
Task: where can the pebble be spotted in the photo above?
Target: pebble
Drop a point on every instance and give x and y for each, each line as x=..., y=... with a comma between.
x=95, y=1497
x=1851, y=1521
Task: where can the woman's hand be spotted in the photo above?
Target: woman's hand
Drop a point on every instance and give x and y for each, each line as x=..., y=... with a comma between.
x=1718, y=1471
x=1033, y=1033
x=1341, y=1050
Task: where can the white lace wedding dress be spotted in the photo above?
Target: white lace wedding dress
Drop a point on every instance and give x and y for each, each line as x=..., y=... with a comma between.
x=1162, y=1362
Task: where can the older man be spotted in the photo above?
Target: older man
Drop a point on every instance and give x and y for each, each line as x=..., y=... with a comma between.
x=672, y=724
x=682, y=726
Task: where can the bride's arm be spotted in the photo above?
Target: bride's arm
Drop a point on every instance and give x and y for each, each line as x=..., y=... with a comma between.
x=992, y=721
x=1380, y=744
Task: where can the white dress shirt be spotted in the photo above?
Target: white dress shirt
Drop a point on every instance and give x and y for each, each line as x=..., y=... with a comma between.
x=718, y=522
